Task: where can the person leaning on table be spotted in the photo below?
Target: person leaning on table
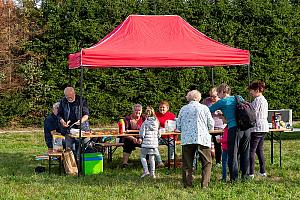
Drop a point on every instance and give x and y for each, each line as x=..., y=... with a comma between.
x=238, y=141
x=51, y=126
x=260, y=104
x=69, y=115
x=132, y=122
x=194, y=122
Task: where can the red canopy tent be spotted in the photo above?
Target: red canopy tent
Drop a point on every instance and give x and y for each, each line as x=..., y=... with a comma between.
x=157, y=41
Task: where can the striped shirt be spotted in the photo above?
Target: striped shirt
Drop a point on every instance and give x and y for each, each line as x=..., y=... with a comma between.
x=194, y=121
x=260, y=105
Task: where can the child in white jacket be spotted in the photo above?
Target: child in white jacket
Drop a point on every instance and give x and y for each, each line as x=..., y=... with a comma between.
x=149, y=134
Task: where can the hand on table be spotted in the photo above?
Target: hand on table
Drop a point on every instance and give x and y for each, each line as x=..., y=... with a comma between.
x=65, y=124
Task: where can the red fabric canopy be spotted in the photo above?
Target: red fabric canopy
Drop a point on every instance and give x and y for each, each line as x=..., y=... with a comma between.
x=157, y=41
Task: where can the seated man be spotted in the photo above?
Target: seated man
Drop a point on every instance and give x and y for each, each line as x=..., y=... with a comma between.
x=132, y=122
x=51, y=126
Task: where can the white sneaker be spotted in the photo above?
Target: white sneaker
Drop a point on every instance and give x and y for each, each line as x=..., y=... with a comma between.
x=153, y=176
x=145, y=174
x=262, y=174
x=251, y=176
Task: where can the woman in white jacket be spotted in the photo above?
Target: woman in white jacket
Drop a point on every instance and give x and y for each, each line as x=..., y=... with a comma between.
x=260, y=104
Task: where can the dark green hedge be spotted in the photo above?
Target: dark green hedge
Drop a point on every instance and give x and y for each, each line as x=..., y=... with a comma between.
x=268, y=28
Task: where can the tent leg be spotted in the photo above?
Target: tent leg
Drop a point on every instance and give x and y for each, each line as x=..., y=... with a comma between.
x=80, y=115
x=249, y=74
x=212, y=77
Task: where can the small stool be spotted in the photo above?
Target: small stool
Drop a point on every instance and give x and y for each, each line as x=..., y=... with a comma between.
x=52, y=156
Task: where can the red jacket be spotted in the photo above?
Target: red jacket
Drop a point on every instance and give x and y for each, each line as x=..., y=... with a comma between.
x=224, y=139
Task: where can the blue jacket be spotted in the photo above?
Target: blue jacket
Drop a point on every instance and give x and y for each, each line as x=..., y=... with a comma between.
x=64, y=113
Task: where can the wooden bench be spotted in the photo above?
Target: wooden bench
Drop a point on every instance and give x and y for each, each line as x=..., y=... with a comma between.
x=111, y=148
x=52, y=156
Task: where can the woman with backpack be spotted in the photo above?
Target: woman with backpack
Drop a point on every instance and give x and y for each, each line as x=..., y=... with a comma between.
x=238, y=141
x=260, y=104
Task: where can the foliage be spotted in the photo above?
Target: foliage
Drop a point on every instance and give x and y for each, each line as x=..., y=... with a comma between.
x=269, y=29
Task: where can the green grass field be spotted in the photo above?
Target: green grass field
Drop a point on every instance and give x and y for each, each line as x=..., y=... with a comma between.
x=19, y=181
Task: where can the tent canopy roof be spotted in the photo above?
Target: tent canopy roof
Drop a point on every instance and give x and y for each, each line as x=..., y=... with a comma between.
x=157, y=41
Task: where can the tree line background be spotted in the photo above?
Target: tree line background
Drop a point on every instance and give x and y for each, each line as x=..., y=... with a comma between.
x=37, y=36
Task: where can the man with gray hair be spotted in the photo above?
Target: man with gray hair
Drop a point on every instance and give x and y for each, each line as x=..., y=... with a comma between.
x=132, y=122
x=51, y=126
x=69, y=117
x=194, y=122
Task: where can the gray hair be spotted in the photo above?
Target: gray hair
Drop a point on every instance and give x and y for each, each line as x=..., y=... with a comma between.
x=56, y=105
x=137, y=106
x=193, y=95
x=69, y=89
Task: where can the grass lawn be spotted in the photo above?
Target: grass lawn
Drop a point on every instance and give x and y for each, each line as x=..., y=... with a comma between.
x=19, y=181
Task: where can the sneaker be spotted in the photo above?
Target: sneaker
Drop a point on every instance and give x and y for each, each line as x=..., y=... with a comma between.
x=262, y=174
x=124, y=165
x=251, y=176
x=160, y=165
x=153, y=176
x=145, y=174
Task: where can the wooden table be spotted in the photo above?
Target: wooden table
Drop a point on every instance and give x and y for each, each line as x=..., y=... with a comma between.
x=169, y=141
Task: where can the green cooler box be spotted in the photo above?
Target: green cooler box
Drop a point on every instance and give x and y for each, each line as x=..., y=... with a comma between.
x=93, y=163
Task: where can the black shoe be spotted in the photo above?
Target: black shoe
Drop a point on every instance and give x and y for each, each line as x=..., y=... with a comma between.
x=124, y=166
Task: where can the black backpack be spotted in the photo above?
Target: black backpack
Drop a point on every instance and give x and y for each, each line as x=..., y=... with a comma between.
x=245, y=114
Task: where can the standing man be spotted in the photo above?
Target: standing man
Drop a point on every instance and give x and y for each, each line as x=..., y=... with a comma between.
x=51, y=126
x=69, y=116
x=194, y=121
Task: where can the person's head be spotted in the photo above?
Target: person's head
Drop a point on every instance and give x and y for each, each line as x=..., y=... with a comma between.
x=223, y=90
x=257, y=87
x=70, y=94
x=137, y=110
x=213, y=95
x=193, y=95
x=55, y=108
x=163, y=107
x=150, y=111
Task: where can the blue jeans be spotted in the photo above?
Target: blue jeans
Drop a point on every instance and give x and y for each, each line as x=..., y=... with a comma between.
x=224, y=164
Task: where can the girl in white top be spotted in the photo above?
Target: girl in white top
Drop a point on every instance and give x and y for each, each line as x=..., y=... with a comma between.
x=260, y=104
x=149, y=134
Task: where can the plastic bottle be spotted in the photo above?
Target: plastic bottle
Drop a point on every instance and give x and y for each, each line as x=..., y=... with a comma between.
x=121, y=125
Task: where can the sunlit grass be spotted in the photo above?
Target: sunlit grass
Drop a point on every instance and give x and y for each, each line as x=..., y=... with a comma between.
x=19, y=181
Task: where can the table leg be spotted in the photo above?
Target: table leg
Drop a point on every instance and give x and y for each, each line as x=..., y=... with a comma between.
x=174, y=150
x=169, y=158
x=280, y=148
x=110, y=154
x=49, y=164
x=271, y=147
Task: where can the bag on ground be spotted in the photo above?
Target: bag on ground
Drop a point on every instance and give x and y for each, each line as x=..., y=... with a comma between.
x=70, y=163
x=245, y=114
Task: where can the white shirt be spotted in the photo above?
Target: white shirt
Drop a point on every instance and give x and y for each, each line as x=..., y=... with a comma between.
x=260, y=105
x=194, y=121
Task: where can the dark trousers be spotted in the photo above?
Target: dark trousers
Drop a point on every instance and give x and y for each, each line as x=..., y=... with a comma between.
x=188, y=153
x=129, y=144
x=238, y=145
x=257, y=147
x=218, y=150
